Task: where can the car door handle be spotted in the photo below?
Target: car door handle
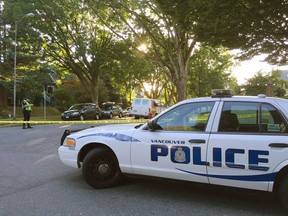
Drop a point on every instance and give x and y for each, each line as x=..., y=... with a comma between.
x=197, y=141
x=278, y=145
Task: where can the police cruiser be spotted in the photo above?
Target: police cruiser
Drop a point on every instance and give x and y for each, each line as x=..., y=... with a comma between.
x=236, y=141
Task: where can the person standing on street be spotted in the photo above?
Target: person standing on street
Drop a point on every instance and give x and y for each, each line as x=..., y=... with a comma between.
x=26, y=109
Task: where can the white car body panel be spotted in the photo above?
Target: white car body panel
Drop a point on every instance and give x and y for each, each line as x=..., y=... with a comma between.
x=238, y=159
x=143, y=164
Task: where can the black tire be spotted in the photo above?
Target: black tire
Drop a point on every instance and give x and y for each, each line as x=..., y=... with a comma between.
x=283, y=191
x=82, y=117
x=120, y=115
x=110, y=115
x=100, y=169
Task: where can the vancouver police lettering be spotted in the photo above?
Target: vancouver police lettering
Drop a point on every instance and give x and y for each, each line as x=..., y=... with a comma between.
x=168, y=141
x=185, y=155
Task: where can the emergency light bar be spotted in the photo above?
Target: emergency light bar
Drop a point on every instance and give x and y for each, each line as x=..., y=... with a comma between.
x=221, y=93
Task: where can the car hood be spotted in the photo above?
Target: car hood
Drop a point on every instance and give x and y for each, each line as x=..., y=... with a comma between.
x=71, y=111
x=107, y=130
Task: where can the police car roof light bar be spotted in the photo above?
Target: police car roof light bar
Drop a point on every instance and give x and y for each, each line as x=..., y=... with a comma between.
x=219, y=93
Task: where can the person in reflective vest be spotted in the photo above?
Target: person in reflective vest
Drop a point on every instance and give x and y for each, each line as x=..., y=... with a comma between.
x=26, y=109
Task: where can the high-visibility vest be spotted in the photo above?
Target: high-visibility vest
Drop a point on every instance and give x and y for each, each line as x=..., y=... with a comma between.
x=24, y=103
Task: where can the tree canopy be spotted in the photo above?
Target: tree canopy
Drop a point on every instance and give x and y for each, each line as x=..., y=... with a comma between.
x=254, y=26
x=269, y=84
x=99, y=40
x=169, y=42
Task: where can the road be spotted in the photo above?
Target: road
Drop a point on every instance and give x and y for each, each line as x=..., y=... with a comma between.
x=34, y=182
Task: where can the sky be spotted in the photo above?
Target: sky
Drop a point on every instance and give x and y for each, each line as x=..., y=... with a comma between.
x=248, y=69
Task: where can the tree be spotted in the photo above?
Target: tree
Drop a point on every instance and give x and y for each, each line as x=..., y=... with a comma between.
x=256, y=27
x=75, y=37
x=78, y=38
x=130, y=70
x=261, y=83
x=72, y=37
x=210, y=68
x=10, y=13
x=72, y=92
x=169, y=37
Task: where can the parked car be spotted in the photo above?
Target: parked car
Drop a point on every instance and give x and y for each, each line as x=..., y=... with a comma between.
x=146, y=108
x=82, y=112
x=110, y=109
x=127, y=112
x=236, y=141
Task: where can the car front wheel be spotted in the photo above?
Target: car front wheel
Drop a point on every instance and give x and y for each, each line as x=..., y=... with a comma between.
x=101, y=169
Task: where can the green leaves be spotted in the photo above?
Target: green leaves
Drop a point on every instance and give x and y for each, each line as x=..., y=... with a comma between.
x=260, y=82
x=97, y=39
x=256, y=27
x=210, y=68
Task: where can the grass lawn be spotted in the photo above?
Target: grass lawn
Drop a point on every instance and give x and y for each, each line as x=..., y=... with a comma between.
x=37, y=113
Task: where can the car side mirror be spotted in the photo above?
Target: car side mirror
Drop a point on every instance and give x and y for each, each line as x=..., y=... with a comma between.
x=152, y=125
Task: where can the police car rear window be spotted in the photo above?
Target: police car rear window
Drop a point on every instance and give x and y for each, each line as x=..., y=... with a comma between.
x=251, y=117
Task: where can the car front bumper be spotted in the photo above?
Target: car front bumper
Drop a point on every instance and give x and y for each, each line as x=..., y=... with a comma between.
x=70, y=117
x=105, y=114
x=68, y=156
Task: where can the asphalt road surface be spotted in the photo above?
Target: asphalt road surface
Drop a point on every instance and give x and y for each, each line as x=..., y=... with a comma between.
x=34, y=182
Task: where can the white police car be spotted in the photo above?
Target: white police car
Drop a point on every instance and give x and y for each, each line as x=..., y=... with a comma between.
x=225, y=140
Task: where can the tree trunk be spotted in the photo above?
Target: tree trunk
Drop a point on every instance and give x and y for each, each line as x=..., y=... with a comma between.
x=182, y=75
x=181, y=86
x=94, y=90
x=94, y=94
x=3, y=97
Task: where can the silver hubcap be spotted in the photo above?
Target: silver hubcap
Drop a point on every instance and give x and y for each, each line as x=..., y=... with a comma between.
x=103, y=169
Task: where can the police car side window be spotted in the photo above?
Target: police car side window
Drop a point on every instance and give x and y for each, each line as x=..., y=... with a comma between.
x=271, y=121
x=187, y=117
x=251, y=117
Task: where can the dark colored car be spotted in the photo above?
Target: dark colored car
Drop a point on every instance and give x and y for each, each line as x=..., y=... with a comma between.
x=110, y=109
x=82, y=112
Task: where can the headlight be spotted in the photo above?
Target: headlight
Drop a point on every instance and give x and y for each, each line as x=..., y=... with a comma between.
x=69, y=142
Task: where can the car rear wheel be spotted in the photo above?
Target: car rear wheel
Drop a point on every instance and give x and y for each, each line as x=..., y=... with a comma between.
x=283, y=191
x=82, y=117
x=120, y=115
x=101, y=169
